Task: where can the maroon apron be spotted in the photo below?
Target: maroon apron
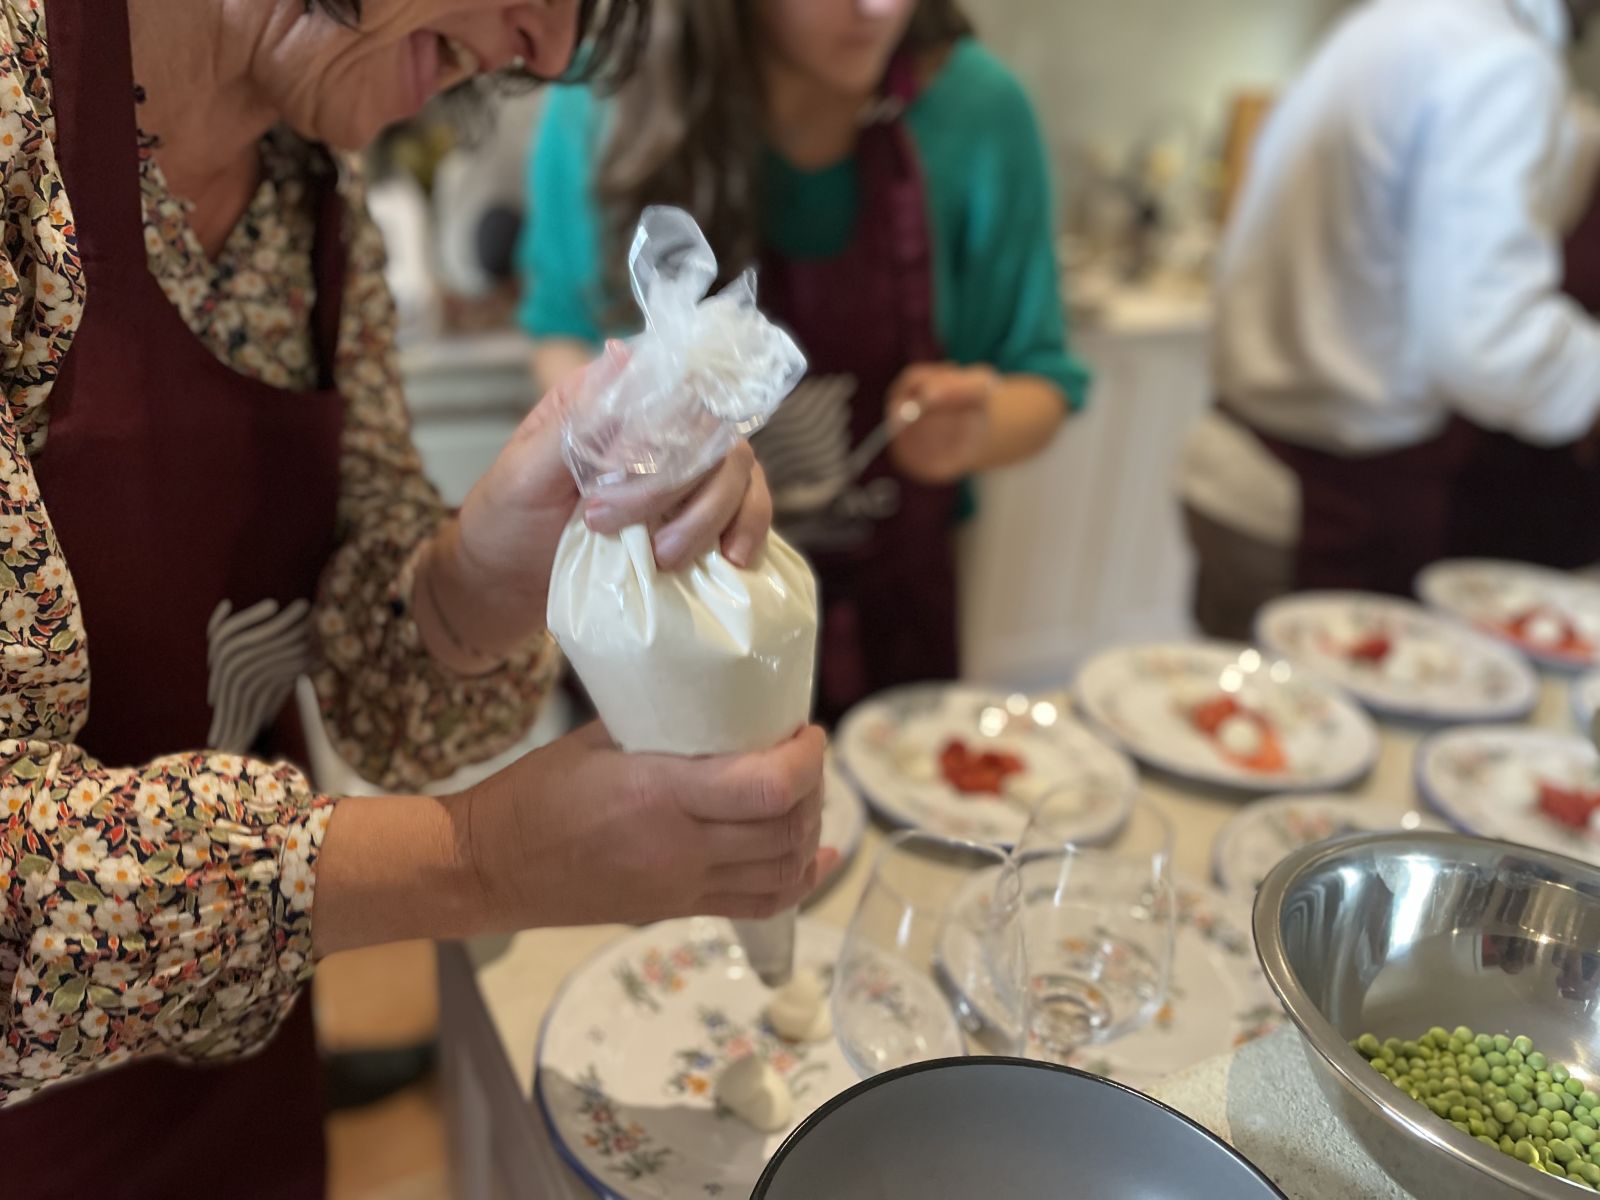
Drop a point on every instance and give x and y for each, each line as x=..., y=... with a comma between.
x=1374, y=522
x=889, y=595
x=1556, y=492
x=175, y=485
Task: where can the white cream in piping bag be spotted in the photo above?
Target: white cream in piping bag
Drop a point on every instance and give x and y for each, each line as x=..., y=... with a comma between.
x=712, y=659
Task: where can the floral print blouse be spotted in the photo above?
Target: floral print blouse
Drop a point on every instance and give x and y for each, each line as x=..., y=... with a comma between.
x=166, y=908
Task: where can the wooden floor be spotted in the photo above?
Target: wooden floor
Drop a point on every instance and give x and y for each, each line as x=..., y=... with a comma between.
x=395, y=1149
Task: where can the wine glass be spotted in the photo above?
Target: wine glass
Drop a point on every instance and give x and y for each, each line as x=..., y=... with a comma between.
x=1096, y=924
x=899, y=995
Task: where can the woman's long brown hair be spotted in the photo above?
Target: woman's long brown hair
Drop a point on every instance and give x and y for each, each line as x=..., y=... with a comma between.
x=686, y=127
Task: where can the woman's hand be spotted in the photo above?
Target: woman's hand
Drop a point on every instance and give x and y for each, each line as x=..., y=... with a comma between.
x=579, y=833
x=576, y=833
x=947, y=441
x=484, y=579
x=972, y=419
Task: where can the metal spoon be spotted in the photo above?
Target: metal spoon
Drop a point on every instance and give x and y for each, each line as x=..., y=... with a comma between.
x=809, y=497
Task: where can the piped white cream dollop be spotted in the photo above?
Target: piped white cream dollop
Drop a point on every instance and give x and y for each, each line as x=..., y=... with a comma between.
x=798, y=1010
x=915, y=761
x=1239, y=735
x=755, y=1093
x=1545, y=629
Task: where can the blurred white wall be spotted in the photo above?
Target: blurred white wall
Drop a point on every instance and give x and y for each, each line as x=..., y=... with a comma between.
x=1111, y=74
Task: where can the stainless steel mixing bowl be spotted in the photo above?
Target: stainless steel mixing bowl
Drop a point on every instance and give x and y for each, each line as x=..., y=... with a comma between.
x=1392, y=934
x=1003, y=1129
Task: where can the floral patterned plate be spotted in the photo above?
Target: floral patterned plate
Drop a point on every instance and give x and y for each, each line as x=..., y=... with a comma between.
x=1552, y=618
x=844, y=818
x=1261, y=835
x=891, y=746
x=1486, y=781
x=630, y=1052
x=1398, y=658
x=1218, y=998
x=1155, y=700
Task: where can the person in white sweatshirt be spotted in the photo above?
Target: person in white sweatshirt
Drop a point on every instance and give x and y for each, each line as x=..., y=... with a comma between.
x=1390, y=308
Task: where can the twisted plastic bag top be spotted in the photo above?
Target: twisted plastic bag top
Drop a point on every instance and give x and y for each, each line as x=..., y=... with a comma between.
x=706, y=371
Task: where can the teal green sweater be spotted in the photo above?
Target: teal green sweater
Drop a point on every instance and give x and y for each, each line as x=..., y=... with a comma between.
x=997, y=296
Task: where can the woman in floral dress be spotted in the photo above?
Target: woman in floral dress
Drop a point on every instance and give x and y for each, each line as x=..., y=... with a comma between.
x=207, y=488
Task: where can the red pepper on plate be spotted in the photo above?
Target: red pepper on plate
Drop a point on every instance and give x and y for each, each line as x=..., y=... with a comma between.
x=977, y=772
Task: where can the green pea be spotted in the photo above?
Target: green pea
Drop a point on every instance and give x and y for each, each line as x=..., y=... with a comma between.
x=1501, y=1091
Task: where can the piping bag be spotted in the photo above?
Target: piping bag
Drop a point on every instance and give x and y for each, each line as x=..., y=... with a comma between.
x=713, y=658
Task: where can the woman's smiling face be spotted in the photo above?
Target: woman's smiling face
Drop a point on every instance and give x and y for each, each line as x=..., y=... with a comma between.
x=343, y=84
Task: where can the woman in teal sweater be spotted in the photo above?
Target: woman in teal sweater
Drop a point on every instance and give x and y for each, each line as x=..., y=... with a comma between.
x=885, y=173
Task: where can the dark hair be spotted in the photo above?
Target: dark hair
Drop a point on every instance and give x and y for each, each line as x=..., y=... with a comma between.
x=687, y=129
x=610, y=36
